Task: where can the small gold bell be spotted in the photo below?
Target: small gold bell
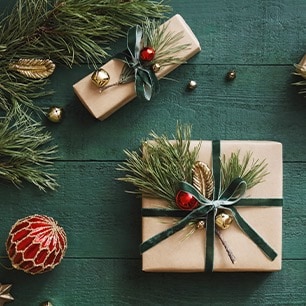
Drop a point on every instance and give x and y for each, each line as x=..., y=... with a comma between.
x=55, y=114
x=231, y=75
x=192, y=85
x=156, y=67
x=223, y=221
x=100, y=77
x=201, y=224
x=47, y=303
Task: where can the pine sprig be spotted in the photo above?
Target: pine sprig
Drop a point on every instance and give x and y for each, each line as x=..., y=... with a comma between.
x=68, y=32
x=164, y=42
x=161, y=165
x=25, y=152
x=250, y=170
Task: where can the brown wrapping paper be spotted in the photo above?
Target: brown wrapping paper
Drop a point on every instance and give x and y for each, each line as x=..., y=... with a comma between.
x=101, y=105
x=181, y=254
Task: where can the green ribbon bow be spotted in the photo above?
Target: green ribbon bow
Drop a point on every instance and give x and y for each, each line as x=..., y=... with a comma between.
x=207, y=210
x=146, y=82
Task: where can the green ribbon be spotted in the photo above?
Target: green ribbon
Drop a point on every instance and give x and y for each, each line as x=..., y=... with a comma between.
x=146, y=82
x=207, y=210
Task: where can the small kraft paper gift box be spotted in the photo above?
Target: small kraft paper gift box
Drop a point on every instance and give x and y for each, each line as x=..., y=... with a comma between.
x=251, y=241
x=136, y=71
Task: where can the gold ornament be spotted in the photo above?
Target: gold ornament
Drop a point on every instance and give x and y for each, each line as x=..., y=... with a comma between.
x=100, y=77
x=33, y=68
x=55, y=114
x=223, y=221
x=5, y=295
x=47, y=303
x=231, y=75
x=201, y=224
x=202, y=179
x=192, y=85
x=156, y=67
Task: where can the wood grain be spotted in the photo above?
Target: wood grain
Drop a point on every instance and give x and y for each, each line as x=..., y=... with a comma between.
x=261, y=40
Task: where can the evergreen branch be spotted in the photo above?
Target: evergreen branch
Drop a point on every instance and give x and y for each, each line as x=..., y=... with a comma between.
x=165, y=43
x=71, y=31
x=25, y=153
x=251, y=171
x=162, y=164
x=68, y=32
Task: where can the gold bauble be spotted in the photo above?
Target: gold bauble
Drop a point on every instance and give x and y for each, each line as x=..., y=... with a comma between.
x=231, y=75
x=55, y=114
x=47, y=303
x=192, y=85
x=223, y=220
x=100, y=77
x=156, y=67
x=201, y=224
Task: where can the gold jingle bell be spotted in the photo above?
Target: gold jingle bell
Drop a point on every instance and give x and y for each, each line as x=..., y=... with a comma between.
x=201, y=224
x=55, y=114
x=156, y=67
x=223, y=221
x=100, y=77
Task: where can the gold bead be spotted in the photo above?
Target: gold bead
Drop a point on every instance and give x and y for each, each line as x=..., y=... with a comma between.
x=156, y=67
x=47, y=303
x=231, y=75
x=223, y=221
x=192, y=85
x=100, y=77
x=55, y=114
x=201, y=224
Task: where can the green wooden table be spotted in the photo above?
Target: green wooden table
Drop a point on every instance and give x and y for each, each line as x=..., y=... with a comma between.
x=260, y=40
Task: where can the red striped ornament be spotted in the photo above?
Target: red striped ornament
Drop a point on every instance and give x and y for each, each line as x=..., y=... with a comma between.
x=36, y=244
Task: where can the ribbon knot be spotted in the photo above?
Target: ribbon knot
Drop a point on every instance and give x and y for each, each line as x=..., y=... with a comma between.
x=146, y=82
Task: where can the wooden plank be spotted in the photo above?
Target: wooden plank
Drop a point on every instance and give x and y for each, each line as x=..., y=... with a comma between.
x=121, y=282
x=101, y=220
x=259, y=104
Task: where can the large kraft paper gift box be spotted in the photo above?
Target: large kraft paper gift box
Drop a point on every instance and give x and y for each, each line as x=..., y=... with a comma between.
x=183, y=253
x=102, y=104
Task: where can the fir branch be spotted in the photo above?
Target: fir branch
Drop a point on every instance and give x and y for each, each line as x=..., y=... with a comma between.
x=71, y=31
x=68, y=32
x=161, y=165
x=250, y=170
x=164, y=42
x=25, y=153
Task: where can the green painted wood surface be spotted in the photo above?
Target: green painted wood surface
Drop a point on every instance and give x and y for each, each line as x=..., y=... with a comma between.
x=261, y=41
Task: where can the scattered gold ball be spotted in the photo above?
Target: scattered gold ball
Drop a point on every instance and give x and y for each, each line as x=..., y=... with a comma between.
x=192, y=85
x=100, y=77
x=47, y=303
x=223, y=221
x=201, y=224
x=55, y=114
x=231, y=75
x=156, y=67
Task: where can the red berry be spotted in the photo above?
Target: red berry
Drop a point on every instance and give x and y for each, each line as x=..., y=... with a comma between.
x=147, y=54
x=185, y=200
x=36, y=244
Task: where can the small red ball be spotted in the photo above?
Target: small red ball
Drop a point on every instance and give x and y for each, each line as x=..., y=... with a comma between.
x=185, y=200
x=147, y=54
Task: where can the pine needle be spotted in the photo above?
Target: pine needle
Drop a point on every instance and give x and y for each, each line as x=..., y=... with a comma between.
x=25, y=153
x=250, y=170
x=161, y=164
